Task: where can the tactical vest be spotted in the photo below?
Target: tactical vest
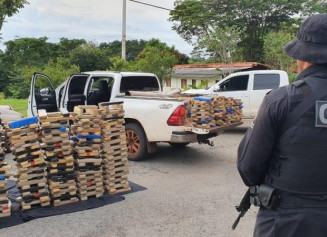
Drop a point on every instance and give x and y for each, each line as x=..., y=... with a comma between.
x=299, y=162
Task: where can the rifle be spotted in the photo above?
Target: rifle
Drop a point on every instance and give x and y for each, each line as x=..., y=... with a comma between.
x=242, y=208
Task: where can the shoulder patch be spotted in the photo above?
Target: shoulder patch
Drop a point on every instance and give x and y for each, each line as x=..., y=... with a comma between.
x=321, y=114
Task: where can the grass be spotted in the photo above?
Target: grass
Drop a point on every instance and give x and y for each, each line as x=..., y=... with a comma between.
x=19, y=105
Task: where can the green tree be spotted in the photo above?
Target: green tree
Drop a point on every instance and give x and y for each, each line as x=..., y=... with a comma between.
x=88, y=57
x=119, y=64
x=196, y=19
x=18, y=85
x=181, y=58
x=8, y=8
x=196, y=57
x=3, y=73
x=66, y=46
x=273, y=48
x=157, y=58
x=221, y=44
x=3, y=77
x=133, y=48
x=20, y=80
x=23, y=56
x=112, y=48
x=292, y=76
x=29, y=52
x=157, y=62
x=156, y=43
x=59, y=70
x=19, y=53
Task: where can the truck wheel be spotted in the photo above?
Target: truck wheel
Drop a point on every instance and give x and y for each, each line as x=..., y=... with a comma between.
x=136, y=142
x=179, y=145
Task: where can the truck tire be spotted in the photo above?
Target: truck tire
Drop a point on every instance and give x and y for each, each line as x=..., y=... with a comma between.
x=179, y=145
x=136, y=142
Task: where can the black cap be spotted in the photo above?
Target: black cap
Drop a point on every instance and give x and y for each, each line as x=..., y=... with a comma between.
x=310, y=44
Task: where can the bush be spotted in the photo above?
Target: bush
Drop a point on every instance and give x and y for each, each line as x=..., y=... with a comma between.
x=292, y=76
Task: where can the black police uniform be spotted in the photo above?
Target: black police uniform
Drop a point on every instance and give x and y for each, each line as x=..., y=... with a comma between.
x=291, y=158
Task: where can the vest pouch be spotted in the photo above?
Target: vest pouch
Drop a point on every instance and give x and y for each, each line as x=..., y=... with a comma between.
x=267, y=196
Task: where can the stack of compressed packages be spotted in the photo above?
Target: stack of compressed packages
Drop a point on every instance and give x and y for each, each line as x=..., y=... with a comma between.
x=32, y=176
x=4, y=168
x=87, y=136
x=207, y=112
x=115, y=165
x=58, y=150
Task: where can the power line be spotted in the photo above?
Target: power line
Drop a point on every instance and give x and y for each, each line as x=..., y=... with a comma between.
x=151, y=5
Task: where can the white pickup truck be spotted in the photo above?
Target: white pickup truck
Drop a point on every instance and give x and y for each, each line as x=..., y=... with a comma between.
x=250, y=87
x=148, y=120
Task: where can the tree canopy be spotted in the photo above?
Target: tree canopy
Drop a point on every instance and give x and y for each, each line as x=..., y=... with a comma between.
x=133, y=48
x=29, y=51
x=10, y=7
x=195, y=20
x=157, y=58
x=66, y=46
x=89, y=57
x=273, y=46
x=24, y=56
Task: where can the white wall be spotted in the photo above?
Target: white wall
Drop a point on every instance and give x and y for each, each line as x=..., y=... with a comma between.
x=176, y=83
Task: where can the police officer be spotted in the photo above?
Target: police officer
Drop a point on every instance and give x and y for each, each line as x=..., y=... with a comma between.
x=286, y=146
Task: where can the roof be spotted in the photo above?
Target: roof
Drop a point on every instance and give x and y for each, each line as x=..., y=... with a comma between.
x=197, y=73
x=213, y=70
x=222, y=65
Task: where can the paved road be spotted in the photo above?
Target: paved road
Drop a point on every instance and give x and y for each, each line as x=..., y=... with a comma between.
x=190, y=192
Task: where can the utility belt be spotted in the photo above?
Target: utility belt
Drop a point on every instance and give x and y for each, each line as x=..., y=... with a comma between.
x=271, y=198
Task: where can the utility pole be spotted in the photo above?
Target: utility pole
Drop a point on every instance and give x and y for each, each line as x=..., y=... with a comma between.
x=123, y=40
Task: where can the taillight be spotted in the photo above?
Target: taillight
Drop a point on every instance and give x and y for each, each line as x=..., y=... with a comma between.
x=177, y=118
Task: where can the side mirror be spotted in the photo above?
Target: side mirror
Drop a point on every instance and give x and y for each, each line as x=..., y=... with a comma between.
x=216, y=88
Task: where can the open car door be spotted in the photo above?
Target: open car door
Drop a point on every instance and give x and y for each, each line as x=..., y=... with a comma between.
x=74, y=92
x=42, y=95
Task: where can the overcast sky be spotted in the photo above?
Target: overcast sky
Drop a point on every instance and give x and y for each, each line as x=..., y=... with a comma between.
x=96, y=20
